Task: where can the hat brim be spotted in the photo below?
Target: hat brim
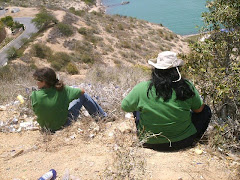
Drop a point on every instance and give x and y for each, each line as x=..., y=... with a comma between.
x=177, y=63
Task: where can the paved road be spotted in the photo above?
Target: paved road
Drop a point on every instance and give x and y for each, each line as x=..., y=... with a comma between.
x=17, y=43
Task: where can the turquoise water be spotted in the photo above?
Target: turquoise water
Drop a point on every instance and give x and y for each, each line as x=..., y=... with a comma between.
x=180, y=16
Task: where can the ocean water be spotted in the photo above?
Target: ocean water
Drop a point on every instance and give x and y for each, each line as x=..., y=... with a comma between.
x=180, y=16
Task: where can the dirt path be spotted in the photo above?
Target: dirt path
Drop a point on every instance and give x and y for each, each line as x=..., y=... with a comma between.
x=88, y=153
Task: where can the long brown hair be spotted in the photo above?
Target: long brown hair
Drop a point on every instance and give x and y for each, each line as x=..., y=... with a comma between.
x=49, y=76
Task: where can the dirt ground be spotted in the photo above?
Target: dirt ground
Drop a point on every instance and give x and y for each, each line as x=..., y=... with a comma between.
x=86, y=153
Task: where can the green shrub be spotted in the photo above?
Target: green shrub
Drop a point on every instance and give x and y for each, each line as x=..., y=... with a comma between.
x=86, y=58
x=56, y=65
x=18, y=25
x=41, y=51
x=97, y=13
x=8, y=21
x=43, y=19
x=120, y=27
x=82, y=30
x=5, y=73
x=125, y=44
x=59, y=60
x=108, y=28
x=12, y=53
x=89, y=2
x=215, y=64
x=78, y=13
x=71, y=68
x=65, y=29
x=83, y=47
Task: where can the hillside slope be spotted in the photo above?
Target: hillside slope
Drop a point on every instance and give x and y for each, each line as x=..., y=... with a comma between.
x=118, y=49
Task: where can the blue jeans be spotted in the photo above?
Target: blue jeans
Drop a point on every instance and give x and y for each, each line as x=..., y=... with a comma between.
x=90, y=105
x=200, y=121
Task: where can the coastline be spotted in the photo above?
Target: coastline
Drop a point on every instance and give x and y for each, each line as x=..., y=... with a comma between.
x=99, y=7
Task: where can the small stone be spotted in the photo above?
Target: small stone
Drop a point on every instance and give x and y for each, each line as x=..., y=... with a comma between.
x=73, y=136
x=198, y=151
x=125, y=127
x=92, y=135
x=111, y=134
x=3, y=108
x=128, y=115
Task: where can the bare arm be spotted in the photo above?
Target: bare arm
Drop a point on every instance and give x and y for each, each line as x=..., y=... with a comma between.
x=198, y=110
x=82, y=91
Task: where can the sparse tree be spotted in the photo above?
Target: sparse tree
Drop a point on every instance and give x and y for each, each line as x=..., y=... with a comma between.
x=44, y=19
x=216, y=61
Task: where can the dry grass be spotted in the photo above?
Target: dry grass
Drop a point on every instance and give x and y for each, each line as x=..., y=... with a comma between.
x=14, y=80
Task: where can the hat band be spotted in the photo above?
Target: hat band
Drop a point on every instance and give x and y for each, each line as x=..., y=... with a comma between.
x=180, y=77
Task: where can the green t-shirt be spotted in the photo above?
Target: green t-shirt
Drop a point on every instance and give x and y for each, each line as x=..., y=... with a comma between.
x=51, y=106
x=172, y=118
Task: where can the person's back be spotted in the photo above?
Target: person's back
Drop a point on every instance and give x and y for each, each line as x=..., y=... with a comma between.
x=57, y=105
x=163, y=105
x=51, y=106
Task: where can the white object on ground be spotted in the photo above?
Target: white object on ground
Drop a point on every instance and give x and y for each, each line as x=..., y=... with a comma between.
x=128, y=115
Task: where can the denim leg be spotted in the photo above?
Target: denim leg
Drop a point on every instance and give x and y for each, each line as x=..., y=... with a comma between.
x=201, y=120
x=90, y=105
x=136, y=115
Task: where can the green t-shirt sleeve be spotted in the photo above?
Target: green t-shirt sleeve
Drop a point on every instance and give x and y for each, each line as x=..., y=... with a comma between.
x=130, y=102
x=196, y=100
x=73, y=93
x=33, y=100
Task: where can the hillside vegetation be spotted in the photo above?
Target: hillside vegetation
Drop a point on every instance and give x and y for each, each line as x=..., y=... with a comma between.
x=107, y=55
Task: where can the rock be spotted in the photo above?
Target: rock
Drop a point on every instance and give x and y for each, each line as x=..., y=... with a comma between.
x=125, y=127
x=198, y=151
x=111, y=134
x=128, y=115
x=17, y=153
x=94, y=127
x=3, y=108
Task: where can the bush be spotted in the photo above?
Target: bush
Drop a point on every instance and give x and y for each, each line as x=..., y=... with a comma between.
x=8, y=21
x=78, y=13
x=5, y=73
x=65, y=29
x=12, y=53
x=108, y=28
x=82, y=30
x=71, y=68
x=41, y=50
x=89, y=2
x=125, y=44
x=120, y=27
x=215, y=63
x=59, y=60
x=43, y=19
x=86, y=58
x=84, y=47
x=56, y=65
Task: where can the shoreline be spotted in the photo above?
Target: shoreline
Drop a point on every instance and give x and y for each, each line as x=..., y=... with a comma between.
x=101, y=7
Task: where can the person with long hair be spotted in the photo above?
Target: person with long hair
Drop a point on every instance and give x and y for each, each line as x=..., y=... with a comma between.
x=168, y=110
x=57, y=105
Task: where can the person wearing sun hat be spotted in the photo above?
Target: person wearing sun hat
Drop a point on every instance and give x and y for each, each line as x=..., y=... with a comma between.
x=169, y=112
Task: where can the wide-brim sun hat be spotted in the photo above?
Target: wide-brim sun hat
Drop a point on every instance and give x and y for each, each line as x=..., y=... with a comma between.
x=166, y=60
